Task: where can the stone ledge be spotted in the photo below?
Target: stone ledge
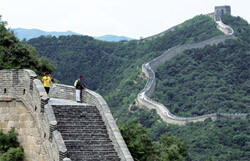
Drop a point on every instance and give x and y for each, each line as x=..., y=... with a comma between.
x=59, y=141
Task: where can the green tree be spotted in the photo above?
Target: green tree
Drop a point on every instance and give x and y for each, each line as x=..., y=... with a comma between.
x=10, y=149
x=172, y=148
x=142, y=148
x=139, y=143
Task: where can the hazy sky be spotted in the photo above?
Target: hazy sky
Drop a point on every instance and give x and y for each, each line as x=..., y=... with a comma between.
x=132, y=18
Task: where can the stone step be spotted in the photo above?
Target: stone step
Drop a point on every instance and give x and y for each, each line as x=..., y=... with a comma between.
x=87, y=138
x=93, y=158
x=94, y=154
x=108, y=151
x=82, y=131
x=80, y=137
x=82, y=123
x=63, y=119
x=76, y=126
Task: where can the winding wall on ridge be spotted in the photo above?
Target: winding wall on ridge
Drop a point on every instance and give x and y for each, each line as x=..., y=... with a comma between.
x=149, y=67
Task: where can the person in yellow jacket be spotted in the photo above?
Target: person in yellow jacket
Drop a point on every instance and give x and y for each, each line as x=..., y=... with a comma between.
x=46, y=82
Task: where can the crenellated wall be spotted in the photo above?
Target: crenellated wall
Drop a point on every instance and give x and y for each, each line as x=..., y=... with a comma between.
x=220, y=10
x=92, y=98
x=149, y=67
x=24, y=105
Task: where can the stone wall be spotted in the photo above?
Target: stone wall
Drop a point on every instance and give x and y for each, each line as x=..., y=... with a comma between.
x=93, y=98
x=24, y=105
x=15, y=114
x=170, y=118
x=179, y=49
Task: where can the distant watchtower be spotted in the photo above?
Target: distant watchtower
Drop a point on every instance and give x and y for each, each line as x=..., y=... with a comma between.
x=220, y=10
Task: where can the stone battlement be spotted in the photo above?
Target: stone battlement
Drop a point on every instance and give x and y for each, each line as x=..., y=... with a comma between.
x=221, y=10
x=22, y=95
x=24, y=105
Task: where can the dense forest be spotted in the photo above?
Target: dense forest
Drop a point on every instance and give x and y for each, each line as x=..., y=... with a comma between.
x=216, y=140
x=114, y=70
x=104, y=64
x=17, y=55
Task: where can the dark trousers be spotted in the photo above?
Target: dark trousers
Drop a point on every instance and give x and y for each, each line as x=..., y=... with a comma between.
x=47, y=90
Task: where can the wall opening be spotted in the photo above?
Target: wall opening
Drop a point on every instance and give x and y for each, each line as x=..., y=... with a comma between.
x=23, y=91
x=35, y=108
x=222, y=12
x=5, y=91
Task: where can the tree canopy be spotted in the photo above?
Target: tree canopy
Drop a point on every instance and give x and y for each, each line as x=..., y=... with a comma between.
x=10, y=150
x=17, y=55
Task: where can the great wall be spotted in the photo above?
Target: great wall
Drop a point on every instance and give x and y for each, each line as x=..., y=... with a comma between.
x=148, y=69
x=55, y=128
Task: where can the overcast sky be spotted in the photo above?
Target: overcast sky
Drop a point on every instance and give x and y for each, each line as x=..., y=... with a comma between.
x=132, y=18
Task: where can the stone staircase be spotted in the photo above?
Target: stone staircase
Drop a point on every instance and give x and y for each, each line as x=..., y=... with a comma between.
x=84, y=133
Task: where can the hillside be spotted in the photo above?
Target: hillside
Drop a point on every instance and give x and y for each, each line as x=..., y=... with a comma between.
x=109, y=61
x=209, y=80
x=216, y=140
x=28, y=34
x=114, y=70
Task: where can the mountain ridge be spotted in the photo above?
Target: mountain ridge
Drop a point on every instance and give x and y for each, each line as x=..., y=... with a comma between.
x=22, y=33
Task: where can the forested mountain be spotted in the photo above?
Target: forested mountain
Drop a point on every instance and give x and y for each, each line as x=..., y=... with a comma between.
x=215, y=140
x=114, y=70
x=208, y=80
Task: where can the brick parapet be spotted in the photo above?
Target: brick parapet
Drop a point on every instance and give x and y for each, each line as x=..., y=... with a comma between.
x=23, y=86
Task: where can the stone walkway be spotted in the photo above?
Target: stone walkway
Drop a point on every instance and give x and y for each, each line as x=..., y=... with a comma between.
x=56, y=101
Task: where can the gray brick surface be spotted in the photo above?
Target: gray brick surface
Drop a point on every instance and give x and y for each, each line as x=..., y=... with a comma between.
x=84, y=133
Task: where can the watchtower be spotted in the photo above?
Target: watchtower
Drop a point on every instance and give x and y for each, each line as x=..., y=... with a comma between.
x=220, y=10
